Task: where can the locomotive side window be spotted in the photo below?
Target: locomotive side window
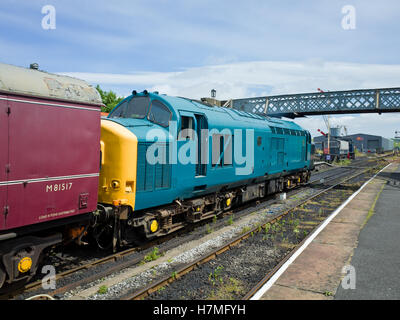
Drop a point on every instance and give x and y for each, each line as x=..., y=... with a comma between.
x=217, y=149
x=159, y=113
x=187, y=129
x=228, y=150
x=222, y=149
x=135, y=108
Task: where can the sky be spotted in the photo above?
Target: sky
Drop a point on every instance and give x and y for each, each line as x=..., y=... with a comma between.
x=240, y=48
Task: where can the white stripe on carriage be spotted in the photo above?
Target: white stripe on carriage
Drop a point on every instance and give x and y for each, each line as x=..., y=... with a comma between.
x=79, y=176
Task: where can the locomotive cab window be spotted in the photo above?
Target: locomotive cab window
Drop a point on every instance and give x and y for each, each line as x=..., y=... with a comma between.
x=135, y=108
x=159, y=113
x=117, y=112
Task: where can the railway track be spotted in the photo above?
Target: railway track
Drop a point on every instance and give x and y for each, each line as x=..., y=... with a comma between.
x=125, y=258
x=161, y=285
x=256, y=290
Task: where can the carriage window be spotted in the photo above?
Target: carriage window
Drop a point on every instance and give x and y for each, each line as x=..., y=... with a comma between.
x=159, y=113
x=135, y=108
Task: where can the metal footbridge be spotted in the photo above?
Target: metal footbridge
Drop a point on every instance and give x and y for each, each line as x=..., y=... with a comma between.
x=321, y=103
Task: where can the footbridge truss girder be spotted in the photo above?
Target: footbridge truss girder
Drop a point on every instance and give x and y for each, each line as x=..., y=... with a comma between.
x=322, y=103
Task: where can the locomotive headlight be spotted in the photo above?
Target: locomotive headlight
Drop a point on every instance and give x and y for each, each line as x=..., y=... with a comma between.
x=115, y=184
x=25, y=264
x=154, y=226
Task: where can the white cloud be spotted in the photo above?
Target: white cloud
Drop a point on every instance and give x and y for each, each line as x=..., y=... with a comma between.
x=247, y=79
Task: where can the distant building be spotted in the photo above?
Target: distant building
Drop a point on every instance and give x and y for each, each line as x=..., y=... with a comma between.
x=363, y=142
x=370, y=143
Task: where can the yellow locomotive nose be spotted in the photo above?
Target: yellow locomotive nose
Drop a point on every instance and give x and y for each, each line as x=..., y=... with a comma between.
x=118, y=164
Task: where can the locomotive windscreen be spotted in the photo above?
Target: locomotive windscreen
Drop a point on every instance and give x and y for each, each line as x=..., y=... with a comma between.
x=135, y=108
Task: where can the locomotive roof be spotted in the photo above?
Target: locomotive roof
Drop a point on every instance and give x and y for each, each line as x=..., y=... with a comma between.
x=18, y=80
x=218, y=117
x=196, y=106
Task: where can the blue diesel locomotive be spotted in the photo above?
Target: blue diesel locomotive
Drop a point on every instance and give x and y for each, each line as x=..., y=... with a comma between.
x=169, y=161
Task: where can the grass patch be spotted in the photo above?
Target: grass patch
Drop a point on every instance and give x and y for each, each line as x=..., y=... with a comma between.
x=305, y=210
x=372, y=209
x=102, y=290
x=153, y=255
x=344, y=162
x=229, y=290
x=307, y=224
x=245, y=230
x=287, y=245
x=313, y=203
x=215, y=276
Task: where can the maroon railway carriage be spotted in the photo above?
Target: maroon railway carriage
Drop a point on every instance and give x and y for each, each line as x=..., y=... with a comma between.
x=49, y=164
